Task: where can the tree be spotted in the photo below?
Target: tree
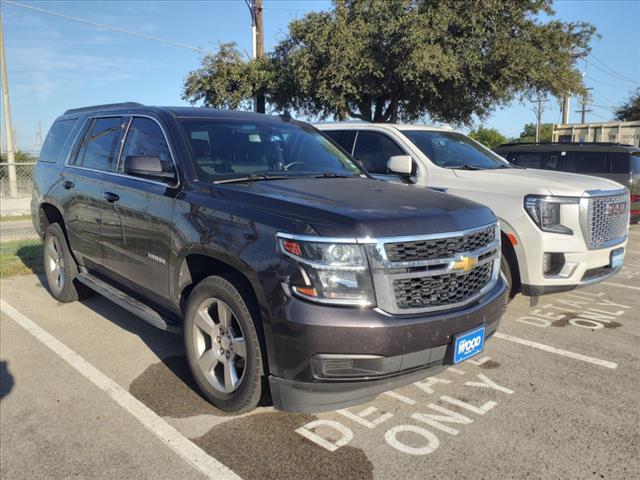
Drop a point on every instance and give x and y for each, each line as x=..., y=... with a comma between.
x=631, y=109
x=528, y=134
x=20, y=157
x=390, y=60
x=488, y=136
x=226, y=79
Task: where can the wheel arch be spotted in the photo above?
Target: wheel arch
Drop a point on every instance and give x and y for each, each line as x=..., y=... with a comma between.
x=511, y=253
x=195, y=264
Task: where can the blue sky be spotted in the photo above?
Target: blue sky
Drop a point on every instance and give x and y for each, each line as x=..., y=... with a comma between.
x=55, y=64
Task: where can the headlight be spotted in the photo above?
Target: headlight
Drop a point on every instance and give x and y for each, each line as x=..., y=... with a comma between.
x=545, y=211
x=334, y=272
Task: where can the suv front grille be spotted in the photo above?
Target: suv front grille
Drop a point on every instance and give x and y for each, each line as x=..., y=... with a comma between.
x=440, y=290
x=605, y=224
x=440, y=247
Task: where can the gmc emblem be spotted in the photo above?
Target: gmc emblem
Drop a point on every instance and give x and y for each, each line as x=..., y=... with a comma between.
x=617, y=208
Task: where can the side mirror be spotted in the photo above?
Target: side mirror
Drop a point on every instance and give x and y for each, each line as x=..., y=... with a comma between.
x=146, y=167
x=400, y=164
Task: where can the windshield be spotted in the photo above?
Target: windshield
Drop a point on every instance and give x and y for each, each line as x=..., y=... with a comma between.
x=455, y=150
x=224, y=150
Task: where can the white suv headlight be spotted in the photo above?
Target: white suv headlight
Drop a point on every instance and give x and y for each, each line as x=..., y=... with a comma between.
x=545, y=211
x=336, y=272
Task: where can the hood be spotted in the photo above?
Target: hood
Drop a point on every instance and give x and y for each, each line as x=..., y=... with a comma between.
x=532, y=181
x=358, y=207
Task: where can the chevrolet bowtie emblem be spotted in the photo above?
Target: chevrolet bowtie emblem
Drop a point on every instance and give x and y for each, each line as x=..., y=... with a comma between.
x=465, y=263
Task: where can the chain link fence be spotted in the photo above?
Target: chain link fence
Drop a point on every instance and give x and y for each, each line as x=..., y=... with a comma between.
x=16, y=187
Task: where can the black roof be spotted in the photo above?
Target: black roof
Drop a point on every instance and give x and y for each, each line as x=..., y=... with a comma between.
x=131, y=107
x=568, y=146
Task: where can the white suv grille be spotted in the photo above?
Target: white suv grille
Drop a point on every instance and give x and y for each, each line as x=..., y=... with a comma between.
x=607, y=221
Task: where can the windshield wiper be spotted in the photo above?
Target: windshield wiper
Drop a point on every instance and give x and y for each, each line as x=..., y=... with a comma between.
x=256, y=177
x=332, y=175
x=466, y=167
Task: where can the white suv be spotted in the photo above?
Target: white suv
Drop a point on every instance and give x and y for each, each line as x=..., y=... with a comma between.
x=559, y=230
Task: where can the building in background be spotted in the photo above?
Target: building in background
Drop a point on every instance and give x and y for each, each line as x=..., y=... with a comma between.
x=614, y=132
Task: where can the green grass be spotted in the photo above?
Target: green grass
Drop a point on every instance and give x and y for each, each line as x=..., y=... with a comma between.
x=10, y=218
x=20, y=257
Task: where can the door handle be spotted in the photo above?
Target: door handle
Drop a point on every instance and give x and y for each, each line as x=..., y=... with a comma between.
x=111, y=197
x=68, y=184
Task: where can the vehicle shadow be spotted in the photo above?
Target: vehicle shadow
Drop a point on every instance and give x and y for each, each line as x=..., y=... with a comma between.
x=167, y=387
x=31, y=257
x=6, y=379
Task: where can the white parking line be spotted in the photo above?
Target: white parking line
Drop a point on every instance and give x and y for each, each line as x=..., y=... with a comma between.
x=620, y=285
x=558, y=351
x=181, y=445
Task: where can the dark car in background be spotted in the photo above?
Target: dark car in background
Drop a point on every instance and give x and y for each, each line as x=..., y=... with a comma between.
x=287, y=268
x=614, y=161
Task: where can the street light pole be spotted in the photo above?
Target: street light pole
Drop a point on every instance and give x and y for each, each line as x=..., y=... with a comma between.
x=11, y=158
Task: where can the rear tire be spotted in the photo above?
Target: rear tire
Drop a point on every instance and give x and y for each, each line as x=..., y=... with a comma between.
x=223, y=346
x=60, y=267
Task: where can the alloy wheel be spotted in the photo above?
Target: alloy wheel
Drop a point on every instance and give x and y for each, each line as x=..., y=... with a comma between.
x=54, y=263
x=219, y=345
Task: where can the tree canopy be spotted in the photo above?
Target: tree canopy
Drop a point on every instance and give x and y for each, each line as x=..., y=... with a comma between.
x=402, y=60
x=528, y=134
x=489, y=137
x=630, y=110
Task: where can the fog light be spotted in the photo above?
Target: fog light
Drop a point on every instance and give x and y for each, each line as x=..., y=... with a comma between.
x=552, y=263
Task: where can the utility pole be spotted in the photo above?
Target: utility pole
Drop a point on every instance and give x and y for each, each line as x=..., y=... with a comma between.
x=38, y=144
x=566, y=106
x=11, y=158
x=583, y=111
x=257, y=43
x=538, y=109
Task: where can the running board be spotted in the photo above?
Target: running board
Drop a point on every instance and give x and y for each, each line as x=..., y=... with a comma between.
x=129, y=303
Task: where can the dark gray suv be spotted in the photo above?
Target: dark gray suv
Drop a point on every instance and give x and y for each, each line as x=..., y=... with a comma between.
x=288, y=270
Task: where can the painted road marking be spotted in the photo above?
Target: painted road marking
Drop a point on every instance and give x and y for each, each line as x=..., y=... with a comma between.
x=620, y=285
x=181, y=445
x=558, y=351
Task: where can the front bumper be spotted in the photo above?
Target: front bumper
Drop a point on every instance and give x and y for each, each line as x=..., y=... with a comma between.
x=376, y=352
x=581, y=269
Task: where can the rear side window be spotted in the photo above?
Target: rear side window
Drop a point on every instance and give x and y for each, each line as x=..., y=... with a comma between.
x=373, y=149
x=593, y=162
x=635, y=163
x=527, y=159
x=620, y=163
x=561, y=161
x=99, y=148
x=344, y=138
x=56, y=145
x=145, y=139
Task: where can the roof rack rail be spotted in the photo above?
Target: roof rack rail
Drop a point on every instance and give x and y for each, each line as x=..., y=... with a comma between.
x=106, y=106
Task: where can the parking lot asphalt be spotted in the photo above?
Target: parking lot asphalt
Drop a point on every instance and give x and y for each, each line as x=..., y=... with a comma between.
x=88, y=391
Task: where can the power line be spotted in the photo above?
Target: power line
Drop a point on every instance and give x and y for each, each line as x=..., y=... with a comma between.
x=606, y=83
x=106, y=27
x=611, y=74
x=612, y=70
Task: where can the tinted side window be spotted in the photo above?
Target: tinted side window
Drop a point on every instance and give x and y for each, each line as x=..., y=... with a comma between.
x=373, y=149
x=99, y=149
x=620, y=163
x=56, y=144
x=593, y=162
x=562, y=161
x=635, y=163
x=528, y=159
x=145, y=139
x=344, y=138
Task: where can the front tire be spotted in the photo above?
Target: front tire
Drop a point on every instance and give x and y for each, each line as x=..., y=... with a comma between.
x=60, y=267
x=223, y=347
